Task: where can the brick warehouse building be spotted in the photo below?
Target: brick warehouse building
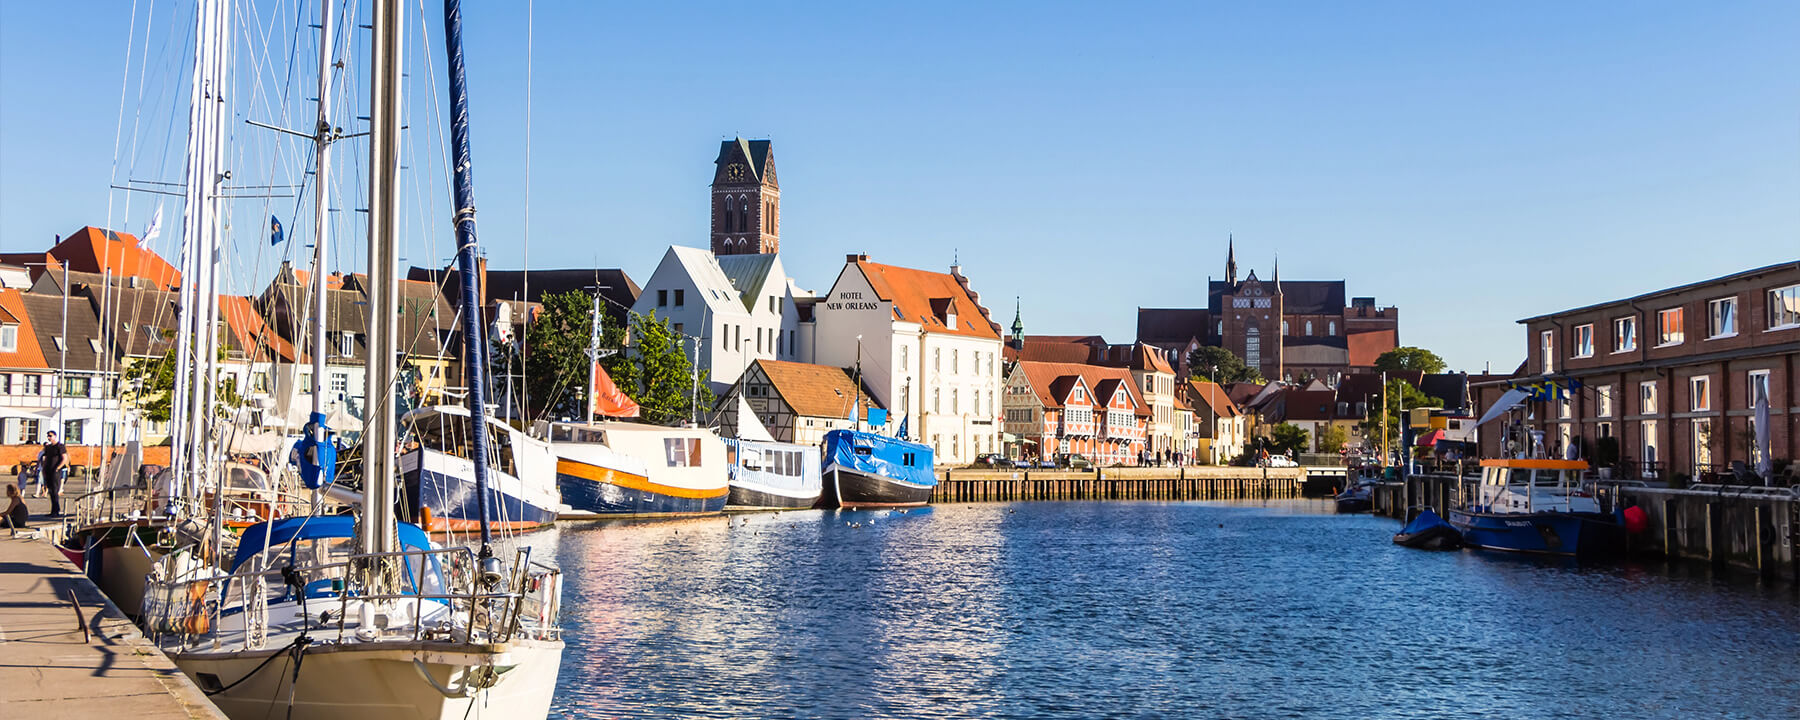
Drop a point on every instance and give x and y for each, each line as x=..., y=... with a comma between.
x=1674, y=374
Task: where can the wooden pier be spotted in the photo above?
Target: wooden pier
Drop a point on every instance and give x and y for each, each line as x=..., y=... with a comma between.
x=1172, y=483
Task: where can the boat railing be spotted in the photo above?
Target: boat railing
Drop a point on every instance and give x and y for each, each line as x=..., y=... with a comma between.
x=189, y=613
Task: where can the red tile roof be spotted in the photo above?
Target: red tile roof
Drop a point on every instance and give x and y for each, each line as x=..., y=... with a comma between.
x=1212, y=396
x=95, y=250
x=250, y=333
x=1365, y=347
x=815, y=390
x=27, y=353
x=1051, y=382
x=927, y=298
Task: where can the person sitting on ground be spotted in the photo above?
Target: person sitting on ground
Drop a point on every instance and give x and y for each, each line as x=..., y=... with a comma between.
x=16, y=513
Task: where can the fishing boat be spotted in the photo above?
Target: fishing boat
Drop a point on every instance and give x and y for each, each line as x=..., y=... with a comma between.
x=1536, y=506
x=616, y=468
x=769, y=475
x=865, y=470
x=438, y=468
x=1357, y=497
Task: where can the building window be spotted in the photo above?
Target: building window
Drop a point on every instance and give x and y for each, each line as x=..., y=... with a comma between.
x=937, y=358
x=340, y=383
x=1721, y=318
x=1219, y=328
x=1149, y=384
x=990, y=400
x=1284, y=327
x=678, y=329
x=346, y=344
x=72, y=432
x=34, y=384
x=1584, y=340
x=1757, y=385
x=1564, y=408
x=955, y=405
x=5, y=383
x=1603, y=401
x=937, y=394
x=680, y=298
x=9, y=338
x=1625, y=334
x=1647, y=398
x=730, y=214
x=1604, y=429
x=1309, y=328
x=1668, y=327
x=1784, y=307
x=1253, y=347
x=662, y=298
x=903, y=352
x=260, y=380
x=1547, y=351
x=306, y=382
x=1699, y=393
x=75, y=386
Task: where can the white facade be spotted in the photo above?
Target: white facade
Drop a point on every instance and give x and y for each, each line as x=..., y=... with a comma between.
x=946, y=386
x=738, y=308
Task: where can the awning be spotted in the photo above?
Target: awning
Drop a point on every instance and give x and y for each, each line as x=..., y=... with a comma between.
x=28, y=413
x=1511, y=399
x=1430, y=438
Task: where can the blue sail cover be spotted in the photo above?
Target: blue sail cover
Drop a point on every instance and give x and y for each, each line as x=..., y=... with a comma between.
x=1425, y=521
x=287, y=530
x=880, y=455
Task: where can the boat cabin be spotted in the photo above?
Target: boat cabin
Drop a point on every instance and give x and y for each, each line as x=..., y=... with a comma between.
x=1532, y=485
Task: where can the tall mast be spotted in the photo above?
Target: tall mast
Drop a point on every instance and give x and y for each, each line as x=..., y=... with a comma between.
x=474, y=350
x=593, y=357
x=193, y=209
x=378, y=531
x=322, y=137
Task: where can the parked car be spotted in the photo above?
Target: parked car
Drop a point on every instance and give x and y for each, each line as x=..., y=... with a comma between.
x=1282, y=461
x=1073, y=461
x=992, y=461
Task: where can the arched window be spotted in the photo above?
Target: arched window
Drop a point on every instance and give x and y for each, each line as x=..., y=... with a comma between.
x=1331, y=328
x=730, y=214
x=1284, y=327
x=1309, y=328
x=743, y=213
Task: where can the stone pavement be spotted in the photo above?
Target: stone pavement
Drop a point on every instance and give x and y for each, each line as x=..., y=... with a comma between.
x=50, y=669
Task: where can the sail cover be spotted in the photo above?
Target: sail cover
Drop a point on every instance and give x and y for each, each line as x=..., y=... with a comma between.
x=609, y=400
x=750, y=427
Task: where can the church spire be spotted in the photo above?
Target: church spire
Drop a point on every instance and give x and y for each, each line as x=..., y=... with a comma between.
x=1018, y=328
x=1277, y=278
x=1230, y=259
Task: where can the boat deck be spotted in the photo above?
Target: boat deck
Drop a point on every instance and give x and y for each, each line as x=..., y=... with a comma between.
x=59, y=667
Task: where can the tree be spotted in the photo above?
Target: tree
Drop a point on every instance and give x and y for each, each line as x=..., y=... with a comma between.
x=150, y=387
x=1399, y=393
x=1332, y=438
x=1408, y=358
x=1231, y=367
x=556, y=361
x=1287, y=438
x=669, y=391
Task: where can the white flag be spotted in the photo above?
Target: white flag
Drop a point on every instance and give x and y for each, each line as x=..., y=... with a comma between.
x=154, y=227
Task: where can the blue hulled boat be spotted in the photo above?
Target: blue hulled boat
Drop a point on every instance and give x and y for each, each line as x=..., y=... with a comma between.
x=865, y=470
x=1536, y=506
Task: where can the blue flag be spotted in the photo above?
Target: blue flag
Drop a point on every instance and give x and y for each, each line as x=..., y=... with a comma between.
x=275, y=237
x=901, y=433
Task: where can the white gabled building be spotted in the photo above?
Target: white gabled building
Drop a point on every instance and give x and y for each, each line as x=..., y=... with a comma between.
x=927, y=348
x=739, y=308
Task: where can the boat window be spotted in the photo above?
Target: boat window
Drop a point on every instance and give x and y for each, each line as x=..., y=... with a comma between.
x=864, y=450
x=682, y=452
x=906, y=459
x=443, y=433
x=1519, y=476
x=501, y=451
x=577, y=434
x=240, y=477
x=753, y=460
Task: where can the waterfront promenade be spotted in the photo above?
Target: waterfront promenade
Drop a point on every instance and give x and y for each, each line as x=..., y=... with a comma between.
x=66, y=652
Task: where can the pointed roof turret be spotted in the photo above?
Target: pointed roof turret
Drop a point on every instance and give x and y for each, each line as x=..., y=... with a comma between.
x=1018, y=327
x=1230, y=259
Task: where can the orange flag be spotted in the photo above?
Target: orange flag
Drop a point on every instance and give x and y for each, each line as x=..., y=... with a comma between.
x=608, y=399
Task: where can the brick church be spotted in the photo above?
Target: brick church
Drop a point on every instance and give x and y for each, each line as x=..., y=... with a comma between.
x=746, y=200
x=1288, y=330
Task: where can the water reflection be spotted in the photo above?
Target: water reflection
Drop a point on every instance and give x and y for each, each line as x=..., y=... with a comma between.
x=1140, y=610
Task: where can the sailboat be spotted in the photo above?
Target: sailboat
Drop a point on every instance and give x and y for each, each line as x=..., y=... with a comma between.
x=371, y=617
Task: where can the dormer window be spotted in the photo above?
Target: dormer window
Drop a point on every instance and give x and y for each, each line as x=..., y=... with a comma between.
x=9, y=338
x=347, y=344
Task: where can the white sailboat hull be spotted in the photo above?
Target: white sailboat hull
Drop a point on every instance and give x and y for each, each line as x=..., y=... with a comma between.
x=383, y=680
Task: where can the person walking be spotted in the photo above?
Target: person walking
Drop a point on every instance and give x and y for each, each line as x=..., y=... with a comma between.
x=50, y=470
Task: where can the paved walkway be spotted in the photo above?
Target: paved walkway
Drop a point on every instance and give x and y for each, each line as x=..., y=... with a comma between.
x=50, y=670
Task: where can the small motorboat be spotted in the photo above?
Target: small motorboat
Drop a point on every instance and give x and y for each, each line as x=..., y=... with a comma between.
x=1357, y=498
x=1428, y=532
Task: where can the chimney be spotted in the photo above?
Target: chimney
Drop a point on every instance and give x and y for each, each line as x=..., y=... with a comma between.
x=854, y=257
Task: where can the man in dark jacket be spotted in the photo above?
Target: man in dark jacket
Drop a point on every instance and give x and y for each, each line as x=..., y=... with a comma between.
x=51, y=471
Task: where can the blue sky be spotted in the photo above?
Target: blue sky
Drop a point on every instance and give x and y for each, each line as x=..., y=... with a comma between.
x=1471, y=163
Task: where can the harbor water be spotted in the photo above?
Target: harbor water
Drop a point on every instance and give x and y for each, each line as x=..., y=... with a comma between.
x=1127, y=609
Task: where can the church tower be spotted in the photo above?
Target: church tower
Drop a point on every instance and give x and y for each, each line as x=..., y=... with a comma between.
x=1230, y=260
x=746, y=199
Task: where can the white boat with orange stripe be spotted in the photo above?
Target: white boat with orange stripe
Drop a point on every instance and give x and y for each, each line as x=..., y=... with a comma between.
x=624, y=469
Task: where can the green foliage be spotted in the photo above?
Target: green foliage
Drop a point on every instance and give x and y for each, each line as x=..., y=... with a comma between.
x=1415, y=359
x=1231, y=367
x=1399, y=394
x=655, y=371
x=149, y=386
x=664, y=373
x=1332, y=438
x=1287, y=438
x=1606, y=451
